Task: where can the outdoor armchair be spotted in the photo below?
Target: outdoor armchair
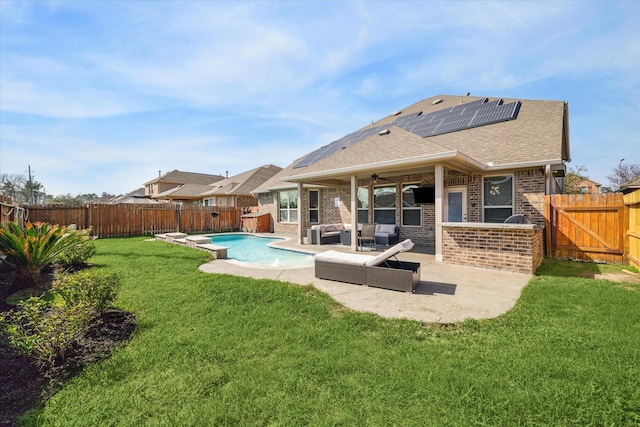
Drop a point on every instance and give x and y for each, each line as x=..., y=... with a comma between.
x=368, y=236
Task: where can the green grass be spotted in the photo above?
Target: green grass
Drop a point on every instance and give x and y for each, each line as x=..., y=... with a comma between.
x=223, y=350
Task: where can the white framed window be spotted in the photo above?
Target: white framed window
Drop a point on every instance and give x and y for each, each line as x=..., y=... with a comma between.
x=209, y=202
x=288, y=206
x=363, y=205
x=497, y=198
x=384, y=204
x=222, y=201
x=314, y=206
x=410, y=209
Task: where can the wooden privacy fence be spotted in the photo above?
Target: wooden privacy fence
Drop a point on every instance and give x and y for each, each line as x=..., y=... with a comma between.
x=10, y=212
x=586, y=227
x=134, y=220
x=632, y=202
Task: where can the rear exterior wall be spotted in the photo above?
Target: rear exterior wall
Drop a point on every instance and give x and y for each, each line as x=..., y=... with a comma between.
x=529, y=190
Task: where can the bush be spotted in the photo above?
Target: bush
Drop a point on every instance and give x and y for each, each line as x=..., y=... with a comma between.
x=38, y=329
x=35, y=246
x=93, y=289
x=78, y=254
x=44, y=329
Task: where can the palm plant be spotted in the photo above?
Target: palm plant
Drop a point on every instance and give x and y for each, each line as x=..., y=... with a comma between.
x=31, y=248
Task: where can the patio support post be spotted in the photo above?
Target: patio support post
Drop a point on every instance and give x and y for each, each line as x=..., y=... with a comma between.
x=354, y=213
x=300, y=216
x=439, y=175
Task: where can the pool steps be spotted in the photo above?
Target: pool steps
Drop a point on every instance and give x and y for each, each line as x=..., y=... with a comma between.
x=197, y=242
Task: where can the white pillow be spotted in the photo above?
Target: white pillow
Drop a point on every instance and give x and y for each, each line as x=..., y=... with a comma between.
x=387, y=228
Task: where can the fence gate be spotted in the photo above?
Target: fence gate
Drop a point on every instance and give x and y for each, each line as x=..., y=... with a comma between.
x=586, y=227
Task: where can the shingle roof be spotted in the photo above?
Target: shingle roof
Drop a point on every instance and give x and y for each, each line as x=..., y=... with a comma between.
x=184, y=191
x=276, y=182
x=630, y=186
x=244, y=183
x=179, y=177
x=539, y=135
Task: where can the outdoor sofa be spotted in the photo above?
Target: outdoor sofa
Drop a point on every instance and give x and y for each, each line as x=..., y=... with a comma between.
x=322, y=234
x=387, y=234
x=371, y=270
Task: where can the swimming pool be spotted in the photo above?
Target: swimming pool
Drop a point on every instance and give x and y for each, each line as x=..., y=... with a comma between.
x=254, y=250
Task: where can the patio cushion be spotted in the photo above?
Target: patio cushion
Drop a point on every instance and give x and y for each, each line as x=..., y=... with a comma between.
x=344, y=258
x=403, y=246
x=329, y=228
x=386, y=228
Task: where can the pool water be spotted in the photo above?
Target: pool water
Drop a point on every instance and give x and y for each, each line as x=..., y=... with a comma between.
x=254, y=250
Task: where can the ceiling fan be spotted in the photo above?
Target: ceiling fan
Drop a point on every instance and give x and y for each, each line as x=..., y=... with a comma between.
x=375, y=177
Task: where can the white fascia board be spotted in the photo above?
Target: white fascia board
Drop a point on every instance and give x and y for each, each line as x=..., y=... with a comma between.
x=523, y=165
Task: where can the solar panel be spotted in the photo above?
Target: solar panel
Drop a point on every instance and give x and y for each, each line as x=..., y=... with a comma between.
x=459, y=117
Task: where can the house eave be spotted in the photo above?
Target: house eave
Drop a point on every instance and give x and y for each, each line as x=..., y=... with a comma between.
x=523, y=165
x=456, y=158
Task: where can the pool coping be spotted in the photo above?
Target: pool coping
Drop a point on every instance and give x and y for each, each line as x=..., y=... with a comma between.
x=180, y=239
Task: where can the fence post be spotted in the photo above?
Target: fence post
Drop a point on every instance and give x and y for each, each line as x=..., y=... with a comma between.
x=547, y=225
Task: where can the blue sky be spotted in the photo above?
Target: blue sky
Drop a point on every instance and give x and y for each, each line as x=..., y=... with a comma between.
x=98, y=96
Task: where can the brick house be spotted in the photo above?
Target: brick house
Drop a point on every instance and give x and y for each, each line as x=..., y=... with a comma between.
x=180, y=187
x=587, y=186
x=480, y=160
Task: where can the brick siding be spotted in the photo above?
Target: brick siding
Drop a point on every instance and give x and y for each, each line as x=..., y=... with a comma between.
x=529, y=188
x=499, y=247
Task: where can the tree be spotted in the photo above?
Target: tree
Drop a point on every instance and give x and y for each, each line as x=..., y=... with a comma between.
x=623, y=173
x=605, y=189
x=573, y=178
x=12, y=186
x=36, y=189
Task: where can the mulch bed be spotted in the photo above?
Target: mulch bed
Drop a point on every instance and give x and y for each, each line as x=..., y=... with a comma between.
x=27, y=381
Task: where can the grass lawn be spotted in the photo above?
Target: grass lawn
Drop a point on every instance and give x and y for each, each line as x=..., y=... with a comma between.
x=224, y=350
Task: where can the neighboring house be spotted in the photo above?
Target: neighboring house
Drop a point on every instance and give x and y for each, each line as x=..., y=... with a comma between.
x=236, y=191
x=586, y=186
x=630, y=186
x=191, y=184
x=134, y=197
x=188, y=194
x=483, y=159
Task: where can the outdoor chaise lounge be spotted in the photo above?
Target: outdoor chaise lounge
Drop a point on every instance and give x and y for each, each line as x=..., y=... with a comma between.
x=371, y=270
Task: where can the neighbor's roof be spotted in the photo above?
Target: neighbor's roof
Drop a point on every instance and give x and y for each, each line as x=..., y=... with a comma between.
x=630, y=186
x=179, y=177
x=537, y=136
x=276, y=182
x=184, y=191
x=244, y=183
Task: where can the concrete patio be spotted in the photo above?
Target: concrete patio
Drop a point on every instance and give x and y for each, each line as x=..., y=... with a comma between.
x=447, y=293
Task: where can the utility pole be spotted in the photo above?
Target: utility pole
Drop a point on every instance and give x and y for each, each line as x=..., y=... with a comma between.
x=33, y=202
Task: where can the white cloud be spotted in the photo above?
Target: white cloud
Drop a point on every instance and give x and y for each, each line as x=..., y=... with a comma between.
x=215, y=86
